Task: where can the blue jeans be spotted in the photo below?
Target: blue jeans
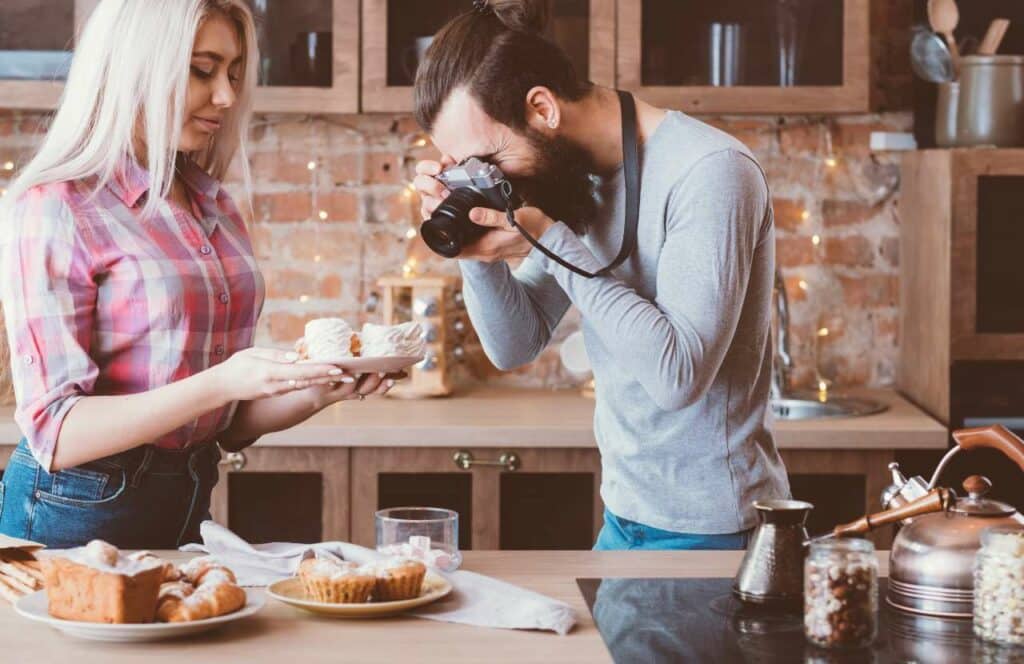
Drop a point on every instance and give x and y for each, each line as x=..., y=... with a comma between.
x=619, y=534
x=146, y=498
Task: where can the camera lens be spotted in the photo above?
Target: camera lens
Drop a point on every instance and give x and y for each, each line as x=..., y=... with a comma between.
x=449, y=230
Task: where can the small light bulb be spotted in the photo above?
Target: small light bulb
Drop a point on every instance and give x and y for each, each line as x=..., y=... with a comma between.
x=805, y=215
x=8, y=165
x=303, y=298
x=311, y=165
x=831, y=161
x=3, y=192
x=802, y=284
x=420, y=143
x=815, y=240
x=317, y=258
x=823, y=332
x=323, y=215
x=410, y=234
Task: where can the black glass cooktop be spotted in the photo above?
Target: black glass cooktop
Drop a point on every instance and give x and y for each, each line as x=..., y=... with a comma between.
x=664, y=621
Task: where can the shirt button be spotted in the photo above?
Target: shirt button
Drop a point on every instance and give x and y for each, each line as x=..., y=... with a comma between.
x=219, y=350
x=28, y=359
x=205, y=250
x=224, y=298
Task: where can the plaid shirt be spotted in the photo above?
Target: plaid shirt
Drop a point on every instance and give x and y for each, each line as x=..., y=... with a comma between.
x=99, y=302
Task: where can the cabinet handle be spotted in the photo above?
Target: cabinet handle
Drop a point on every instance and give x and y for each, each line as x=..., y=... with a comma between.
x=236, y=460
x=510, y=461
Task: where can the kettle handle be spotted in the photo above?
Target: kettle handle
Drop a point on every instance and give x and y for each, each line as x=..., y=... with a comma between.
x=935, y=500
x=996, y=437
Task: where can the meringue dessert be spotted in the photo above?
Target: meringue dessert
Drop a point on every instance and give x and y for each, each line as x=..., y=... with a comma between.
x=329, y=339
x=405, y=340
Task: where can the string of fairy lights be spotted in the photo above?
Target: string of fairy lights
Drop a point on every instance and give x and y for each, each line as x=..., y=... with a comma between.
x=827, y=160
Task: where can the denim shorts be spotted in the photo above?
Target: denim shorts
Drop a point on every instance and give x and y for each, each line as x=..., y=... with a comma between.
x=146, y=498
x=619, y=534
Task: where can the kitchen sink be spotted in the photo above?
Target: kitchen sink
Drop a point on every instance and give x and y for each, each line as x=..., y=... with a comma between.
x=808, y=406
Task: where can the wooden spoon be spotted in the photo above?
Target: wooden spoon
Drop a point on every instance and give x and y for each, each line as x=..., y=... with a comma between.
x=993, y=36
x=943, y=15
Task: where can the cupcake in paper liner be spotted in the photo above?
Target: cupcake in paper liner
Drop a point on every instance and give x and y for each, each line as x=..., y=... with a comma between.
x=336, y=582
x=396, y=579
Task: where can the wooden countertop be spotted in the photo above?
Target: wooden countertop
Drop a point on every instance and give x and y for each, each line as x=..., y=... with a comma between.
x=492, y=417
x=280, y=633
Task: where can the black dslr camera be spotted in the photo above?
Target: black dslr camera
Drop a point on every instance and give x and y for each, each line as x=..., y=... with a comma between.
x=473, y=183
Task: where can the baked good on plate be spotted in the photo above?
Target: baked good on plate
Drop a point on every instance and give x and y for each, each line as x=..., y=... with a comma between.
x=405, y=340
x=396, y=578
x=96, y=583
x=335, y=581
x=327, y=340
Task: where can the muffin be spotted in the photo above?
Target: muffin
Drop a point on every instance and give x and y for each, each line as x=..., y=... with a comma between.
x=336, y=582
x=396, y=578
x=96, y=583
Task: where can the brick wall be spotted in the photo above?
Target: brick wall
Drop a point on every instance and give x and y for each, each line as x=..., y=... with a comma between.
x=837, y=225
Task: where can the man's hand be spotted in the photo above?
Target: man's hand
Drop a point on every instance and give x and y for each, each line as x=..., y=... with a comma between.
x=505, y=242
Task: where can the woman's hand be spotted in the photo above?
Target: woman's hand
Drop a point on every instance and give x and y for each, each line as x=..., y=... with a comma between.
x=367, y=385
x=256, y=373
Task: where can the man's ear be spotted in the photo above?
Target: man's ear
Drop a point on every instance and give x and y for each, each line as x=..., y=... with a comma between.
x=543, y=112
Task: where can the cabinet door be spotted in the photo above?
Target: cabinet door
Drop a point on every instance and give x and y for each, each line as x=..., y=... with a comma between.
x=397, y=32
x=549, y=501
x=35, y=54
x=289, y=494
x=738, y=56
x=309, y=55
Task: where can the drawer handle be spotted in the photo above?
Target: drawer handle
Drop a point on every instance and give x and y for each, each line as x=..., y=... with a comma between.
x=236, y=460
x=510, y=461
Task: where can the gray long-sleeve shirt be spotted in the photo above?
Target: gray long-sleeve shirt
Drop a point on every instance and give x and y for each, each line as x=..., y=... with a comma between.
x=678, y=336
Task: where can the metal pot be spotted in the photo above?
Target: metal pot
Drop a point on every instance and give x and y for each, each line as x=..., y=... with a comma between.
x=932, y=560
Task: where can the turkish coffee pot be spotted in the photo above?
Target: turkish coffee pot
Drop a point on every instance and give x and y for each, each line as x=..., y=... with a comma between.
x=931, y=565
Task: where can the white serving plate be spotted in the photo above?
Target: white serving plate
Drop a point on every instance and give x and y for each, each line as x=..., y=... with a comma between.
x=290, y=591
x=34, y=607
x=366, y=365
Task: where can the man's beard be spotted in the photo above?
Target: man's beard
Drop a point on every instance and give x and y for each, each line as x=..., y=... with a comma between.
x=561, y=184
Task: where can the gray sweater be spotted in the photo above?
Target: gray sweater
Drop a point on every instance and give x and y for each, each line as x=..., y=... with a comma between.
x=678, y=336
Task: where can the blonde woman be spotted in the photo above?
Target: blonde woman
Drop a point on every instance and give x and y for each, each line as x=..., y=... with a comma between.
x=130, y=290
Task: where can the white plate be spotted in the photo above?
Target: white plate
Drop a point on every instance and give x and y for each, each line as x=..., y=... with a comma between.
x=34, y=607
x=365, y=365
x=290, y=591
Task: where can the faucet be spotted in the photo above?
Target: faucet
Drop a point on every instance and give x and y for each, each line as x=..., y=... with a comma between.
x=782, y=364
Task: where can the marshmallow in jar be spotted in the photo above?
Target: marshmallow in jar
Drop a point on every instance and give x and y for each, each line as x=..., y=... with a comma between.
x=999, y=586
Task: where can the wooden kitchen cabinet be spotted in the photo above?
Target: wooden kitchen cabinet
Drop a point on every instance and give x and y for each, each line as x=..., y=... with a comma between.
x=549, y=501
x=737, y=56
x=286, y=494
x=397, y=32
x=309, y=52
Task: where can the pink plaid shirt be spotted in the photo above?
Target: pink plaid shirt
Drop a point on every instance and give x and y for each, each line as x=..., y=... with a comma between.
x=99, y=302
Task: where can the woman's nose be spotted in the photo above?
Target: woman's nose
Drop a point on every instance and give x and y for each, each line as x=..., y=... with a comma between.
x=223, y=93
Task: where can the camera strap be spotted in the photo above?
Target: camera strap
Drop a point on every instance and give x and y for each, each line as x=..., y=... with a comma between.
x=631, y=175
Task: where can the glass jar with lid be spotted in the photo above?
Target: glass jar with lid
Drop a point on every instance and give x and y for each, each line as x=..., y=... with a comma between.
x=841, y=593
x=999, y=586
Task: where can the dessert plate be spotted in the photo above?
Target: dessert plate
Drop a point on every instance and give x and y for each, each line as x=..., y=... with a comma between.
x=365, y=365
x=290, y=591
x=34, y=607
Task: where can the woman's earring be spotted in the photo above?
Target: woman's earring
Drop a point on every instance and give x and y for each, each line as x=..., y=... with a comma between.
x=552, y=123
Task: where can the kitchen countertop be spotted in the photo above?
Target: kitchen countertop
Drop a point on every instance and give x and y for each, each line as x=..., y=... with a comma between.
x=497, y=417
x=280, y=632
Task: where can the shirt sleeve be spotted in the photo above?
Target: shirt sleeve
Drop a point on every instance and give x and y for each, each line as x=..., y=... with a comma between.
x=514, y=313
x=717, y=216
x=49, y=302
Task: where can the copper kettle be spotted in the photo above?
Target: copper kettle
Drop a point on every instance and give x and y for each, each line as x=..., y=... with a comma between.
x=932, y=559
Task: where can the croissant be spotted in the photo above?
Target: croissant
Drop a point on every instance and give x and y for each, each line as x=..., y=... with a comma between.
x=208, y=601
x=205, y=571
x=170, y=598
x=171, y=572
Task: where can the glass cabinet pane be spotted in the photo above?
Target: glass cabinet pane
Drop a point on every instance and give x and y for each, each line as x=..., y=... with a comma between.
x=1000, y=308
x=276, y=507
x=412, y=24
x=33, y=48
x=450, y=491
x=528, y=520
x=739, y=42
x=296, y=42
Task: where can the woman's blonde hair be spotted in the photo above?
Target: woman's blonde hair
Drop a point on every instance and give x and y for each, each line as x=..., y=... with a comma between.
x=130, y=73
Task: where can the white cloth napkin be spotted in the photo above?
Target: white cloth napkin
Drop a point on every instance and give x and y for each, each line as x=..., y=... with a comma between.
x=475, y=600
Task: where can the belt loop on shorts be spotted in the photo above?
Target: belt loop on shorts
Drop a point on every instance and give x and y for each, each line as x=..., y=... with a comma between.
x=147, y=459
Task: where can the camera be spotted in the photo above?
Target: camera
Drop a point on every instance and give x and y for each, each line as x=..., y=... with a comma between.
x=473, y=183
